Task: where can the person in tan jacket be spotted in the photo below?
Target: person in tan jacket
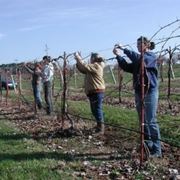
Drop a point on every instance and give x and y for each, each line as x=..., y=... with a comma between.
x=94, y=85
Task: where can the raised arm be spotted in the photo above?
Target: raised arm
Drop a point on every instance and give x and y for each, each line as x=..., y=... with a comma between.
x=133, y=56
x=128, y=67
x=83, y=67
x=29, y=69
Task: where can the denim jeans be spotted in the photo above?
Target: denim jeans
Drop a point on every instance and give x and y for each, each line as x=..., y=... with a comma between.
x=48, y=96
x=37, y=94
x=151, y=127
x=96, y=101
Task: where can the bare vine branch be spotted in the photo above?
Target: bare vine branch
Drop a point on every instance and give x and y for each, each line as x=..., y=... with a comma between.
x=165, y=39
x=169, y=38
x=163, y=27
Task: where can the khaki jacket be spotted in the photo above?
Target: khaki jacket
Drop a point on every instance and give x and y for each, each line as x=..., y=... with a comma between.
x=94, y=81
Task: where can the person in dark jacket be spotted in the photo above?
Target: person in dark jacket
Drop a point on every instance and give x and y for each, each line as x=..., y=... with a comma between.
x=151, y=127
x=36, y=82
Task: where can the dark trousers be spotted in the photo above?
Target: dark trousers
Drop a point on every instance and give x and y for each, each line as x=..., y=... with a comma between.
x=48, y=96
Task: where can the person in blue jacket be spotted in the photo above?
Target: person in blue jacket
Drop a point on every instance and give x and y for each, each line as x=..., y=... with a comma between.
x=151, y=127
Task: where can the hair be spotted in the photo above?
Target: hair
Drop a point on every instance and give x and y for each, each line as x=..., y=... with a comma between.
x=48, y=58
x=96, y=57
x=151, y=45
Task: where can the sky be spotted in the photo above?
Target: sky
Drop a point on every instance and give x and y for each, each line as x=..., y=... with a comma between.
x=27, y=27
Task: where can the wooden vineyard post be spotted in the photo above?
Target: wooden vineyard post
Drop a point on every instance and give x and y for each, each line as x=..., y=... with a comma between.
x=142, y=104
x=65, y=88
x=114, y=79
x=160, y=67
x=14, y=86
x=63, y=108
x=1, y=85
x=19, y=87
x=169, y=75
x=75, y=76
x=7, y=87
x=120, y=79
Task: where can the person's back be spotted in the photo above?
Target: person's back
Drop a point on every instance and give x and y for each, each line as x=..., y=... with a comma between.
x=94, y=86
x=94, y=80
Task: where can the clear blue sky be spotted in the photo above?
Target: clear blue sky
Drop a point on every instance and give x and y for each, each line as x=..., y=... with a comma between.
x=26, y=26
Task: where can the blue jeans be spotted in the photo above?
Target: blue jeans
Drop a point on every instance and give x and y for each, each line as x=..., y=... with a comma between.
x=37, y=94
x=151, y=128
x=96, y=101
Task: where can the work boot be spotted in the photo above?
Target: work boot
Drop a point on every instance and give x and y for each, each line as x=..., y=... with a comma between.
x=100, y=128
x=39, y=106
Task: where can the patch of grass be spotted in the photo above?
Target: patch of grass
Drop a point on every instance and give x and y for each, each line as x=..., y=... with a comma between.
x=170, y=129
x=23, y=158
x=112, y=114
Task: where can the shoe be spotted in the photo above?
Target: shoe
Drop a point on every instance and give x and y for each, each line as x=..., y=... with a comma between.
x=39, y=106
x=155, y=155
x=48, y=113
x=149, y=145
x=100, y=128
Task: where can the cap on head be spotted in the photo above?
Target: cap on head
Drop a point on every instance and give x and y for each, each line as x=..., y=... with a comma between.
x=96, y=57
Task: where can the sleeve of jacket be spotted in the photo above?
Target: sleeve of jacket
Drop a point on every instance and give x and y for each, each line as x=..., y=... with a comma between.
x=92, y=68
x=133, y=56
x=124, y=65
x=29, y=69
x=80, y=69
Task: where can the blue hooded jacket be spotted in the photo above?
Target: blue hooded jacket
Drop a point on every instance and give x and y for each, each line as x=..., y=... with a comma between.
x=150, y=61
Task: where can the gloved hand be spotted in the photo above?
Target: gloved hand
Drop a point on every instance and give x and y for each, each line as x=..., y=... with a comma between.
x=120, y=46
